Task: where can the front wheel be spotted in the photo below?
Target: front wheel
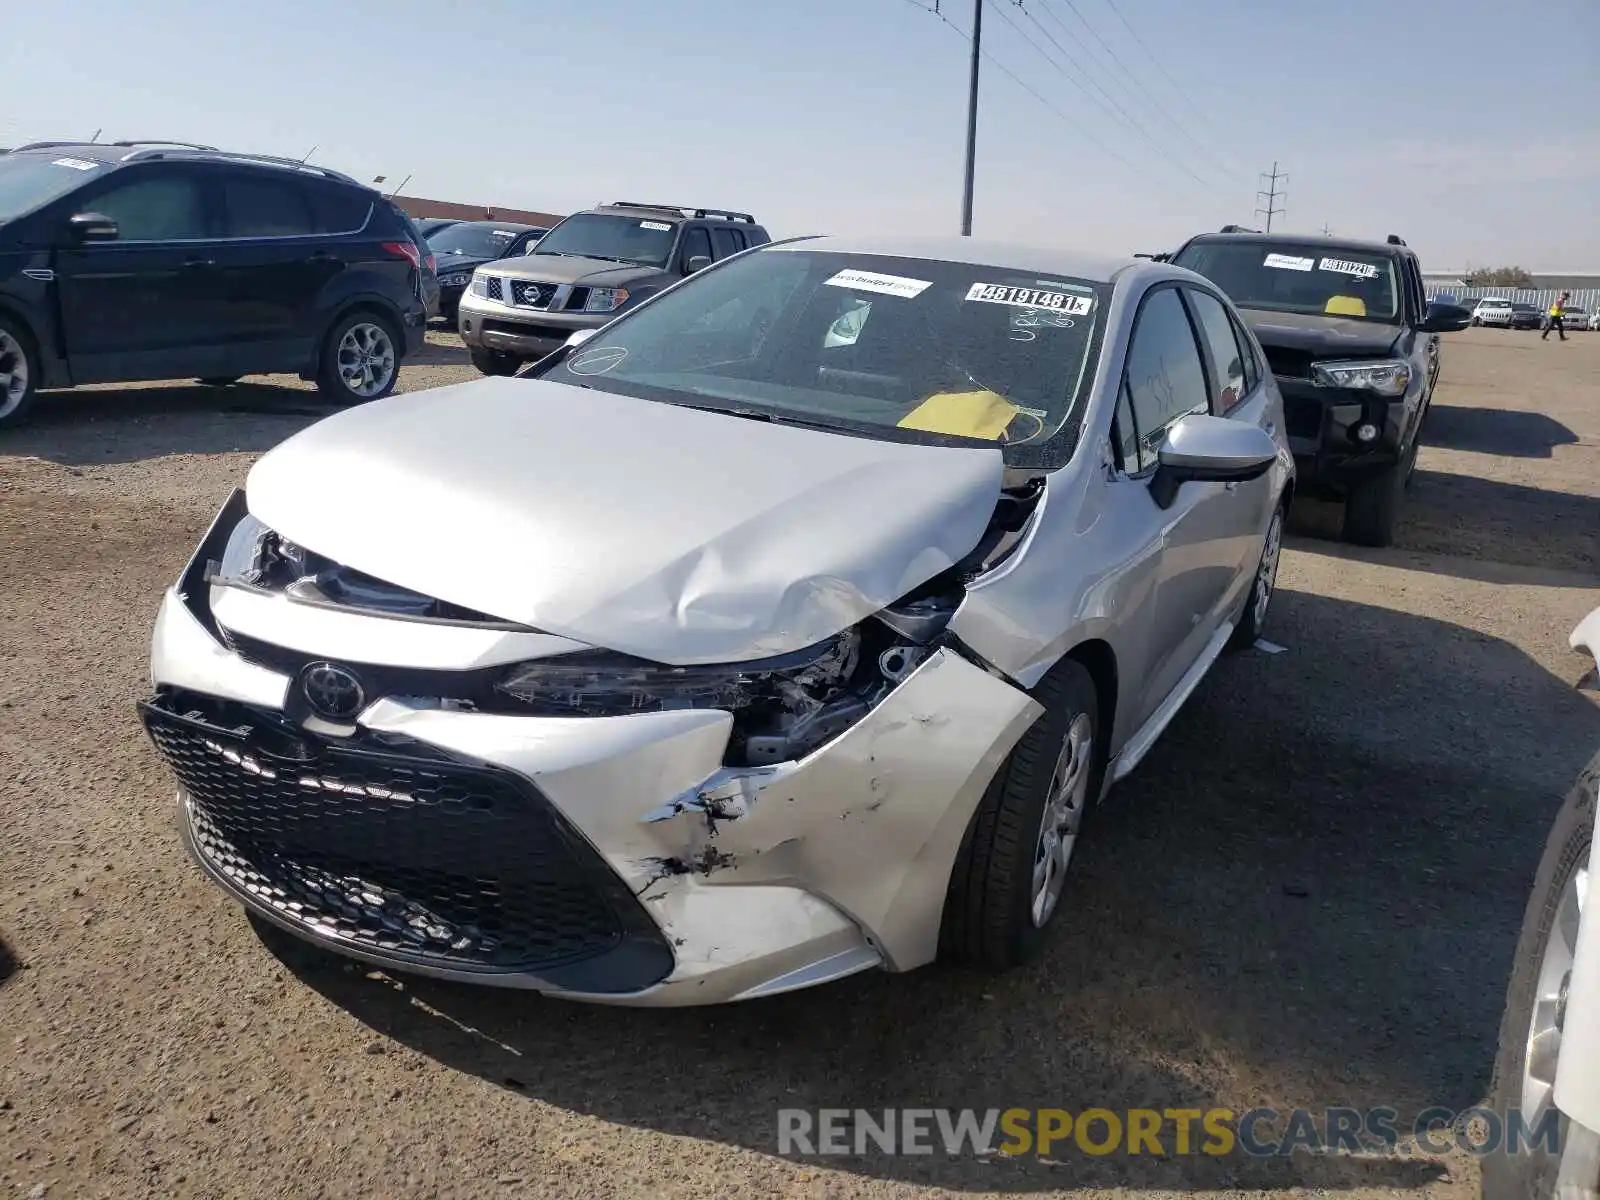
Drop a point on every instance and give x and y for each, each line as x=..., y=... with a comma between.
x=1259, y=601
x=1012, y=872
x=1530, y=1030
x=19, y=373
x=1372, y=509
x=495, y=362
x=360, y=360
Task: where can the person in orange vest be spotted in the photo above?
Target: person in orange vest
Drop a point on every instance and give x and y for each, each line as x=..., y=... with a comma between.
x=1557, y=310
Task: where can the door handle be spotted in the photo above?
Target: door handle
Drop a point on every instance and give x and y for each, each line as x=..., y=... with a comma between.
x=197, y=264
x=322, y=256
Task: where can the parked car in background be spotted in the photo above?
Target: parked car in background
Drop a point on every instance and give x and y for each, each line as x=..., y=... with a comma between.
x=1526, y=316
x=464, y=246
x=131, y=261
x=785, y=629
x=432, y=225
x=1493, y=311
x=1354, y=346
x=1548, y=1065
x=1574, y=317
x=587, y=269
x=1594, y=320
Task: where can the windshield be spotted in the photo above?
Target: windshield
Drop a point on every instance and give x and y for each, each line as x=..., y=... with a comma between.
x=601, y=235
x=1307, y=278
x=479, y=239
x=905, y=349
x=29, y=181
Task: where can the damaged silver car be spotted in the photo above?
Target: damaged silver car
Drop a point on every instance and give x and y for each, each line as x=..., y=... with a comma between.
x=783, y=629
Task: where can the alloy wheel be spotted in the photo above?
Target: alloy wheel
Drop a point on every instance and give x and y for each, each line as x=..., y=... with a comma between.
x=1550, y=999
x=366, y=359
x=1063, y=815
x=13, y=374
x=1267, y=572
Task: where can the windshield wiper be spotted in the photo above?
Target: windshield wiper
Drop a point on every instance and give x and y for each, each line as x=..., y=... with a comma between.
x=758, y=414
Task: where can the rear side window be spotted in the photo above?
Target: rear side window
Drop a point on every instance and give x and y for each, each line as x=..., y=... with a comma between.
x=260, y=206
x=1228, y=386
x=726, y=241
x=339, y=210
x=1247, y=351
x=161, y=209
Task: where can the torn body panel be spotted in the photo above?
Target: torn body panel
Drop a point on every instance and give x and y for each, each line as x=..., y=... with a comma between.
x=702, y=538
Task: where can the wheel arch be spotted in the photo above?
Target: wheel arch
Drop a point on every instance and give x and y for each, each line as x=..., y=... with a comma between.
x=1100, y=660
x=52, y=370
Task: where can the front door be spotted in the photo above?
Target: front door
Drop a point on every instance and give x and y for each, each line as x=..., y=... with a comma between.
x=143, y=306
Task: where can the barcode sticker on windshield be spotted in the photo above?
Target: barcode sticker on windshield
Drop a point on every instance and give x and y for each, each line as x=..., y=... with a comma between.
x=77, y=164
x=886, y=285
x=1288, y=262
x=1021, y=297
x=654, y=225
x=1346, y=267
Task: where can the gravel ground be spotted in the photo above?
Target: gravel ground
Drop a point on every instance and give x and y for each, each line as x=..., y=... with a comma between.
x=1306, y=895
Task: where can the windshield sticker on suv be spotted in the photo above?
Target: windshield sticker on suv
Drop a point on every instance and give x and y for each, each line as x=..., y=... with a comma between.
x=596, y=360
x=1345, y=267
x=77, y=164
x=1288, y=262
x=662, y=225
x=884, y=285
x=1021, y=297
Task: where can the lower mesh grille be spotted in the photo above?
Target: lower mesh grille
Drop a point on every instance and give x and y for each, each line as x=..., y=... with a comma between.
x=396, y=851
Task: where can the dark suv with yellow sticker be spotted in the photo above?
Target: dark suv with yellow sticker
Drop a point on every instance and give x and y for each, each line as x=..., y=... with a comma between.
x=1353, y=342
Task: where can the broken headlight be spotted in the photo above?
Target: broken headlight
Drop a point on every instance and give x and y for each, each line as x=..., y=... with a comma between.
x=258, y=557
x=600, y=683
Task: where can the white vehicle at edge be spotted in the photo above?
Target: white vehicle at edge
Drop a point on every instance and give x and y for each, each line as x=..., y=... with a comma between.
x=1493, y=311
x=785, y=629
x=1549, y=1052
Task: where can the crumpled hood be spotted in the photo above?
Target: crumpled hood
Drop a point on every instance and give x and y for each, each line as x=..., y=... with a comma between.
x=665, y=532
x=563, y=268
x=1330, y=337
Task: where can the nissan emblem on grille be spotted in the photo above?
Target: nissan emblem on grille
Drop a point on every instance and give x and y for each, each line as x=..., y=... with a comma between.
x=332, y=691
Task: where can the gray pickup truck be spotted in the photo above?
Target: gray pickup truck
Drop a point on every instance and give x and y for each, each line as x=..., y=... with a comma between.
x=590, y=267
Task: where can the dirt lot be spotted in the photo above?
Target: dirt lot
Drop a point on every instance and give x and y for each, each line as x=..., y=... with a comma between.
x=1307, y=895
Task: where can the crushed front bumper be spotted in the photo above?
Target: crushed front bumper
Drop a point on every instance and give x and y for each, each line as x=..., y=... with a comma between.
x=610, y=859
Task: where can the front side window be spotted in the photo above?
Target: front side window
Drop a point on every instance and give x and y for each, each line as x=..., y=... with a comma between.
x=642, y=240
x=160, y=209
x=904, y=349
x=1164, y=377
x=696, y=244
x=1293, y=278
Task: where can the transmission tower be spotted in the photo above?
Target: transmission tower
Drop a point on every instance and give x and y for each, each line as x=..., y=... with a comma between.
x=1272, y=193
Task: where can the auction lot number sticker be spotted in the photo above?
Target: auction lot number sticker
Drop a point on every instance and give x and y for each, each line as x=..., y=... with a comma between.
x=1022, y=297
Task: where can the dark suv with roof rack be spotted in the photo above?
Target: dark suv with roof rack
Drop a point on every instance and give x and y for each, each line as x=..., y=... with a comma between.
x=586, y=270
x=1354, y=344
x=160, y=260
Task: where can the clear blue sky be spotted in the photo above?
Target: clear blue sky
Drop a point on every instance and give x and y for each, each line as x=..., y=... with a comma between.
x=1469, y=127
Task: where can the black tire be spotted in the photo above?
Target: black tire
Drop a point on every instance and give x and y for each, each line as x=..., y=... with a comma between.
x=1254, y=618
x=1532, y=1173
x=988, y=913
x=219, y=381
x=19, y=372
x=495, y=362
x=1372, y=508
x=331, y=381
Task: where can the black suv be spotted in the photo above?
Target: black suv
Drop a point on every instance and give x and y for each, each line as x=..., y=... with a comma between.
x=1353, y=342
x=134, y=261
x=587, y=269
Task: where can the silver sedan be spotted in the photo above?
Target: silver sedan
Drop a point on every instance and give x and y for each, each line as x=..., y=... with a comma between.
x=784, y=628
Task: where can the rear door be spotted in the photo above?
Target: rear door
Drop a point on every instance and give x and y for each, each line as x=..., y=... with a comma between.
x=277, y=260
x=145, y=305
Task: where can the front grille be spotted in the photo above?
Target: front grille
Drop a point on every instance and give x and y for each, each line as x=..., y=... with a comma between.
x=391, y=848
x=530, y=294
x=1292, y=364
x=1302, y=416
x=492, y=287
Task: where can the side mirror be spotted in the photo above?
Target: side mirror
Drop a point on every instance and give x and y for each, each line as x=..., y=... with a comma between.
x=531, y=246
x=578, y=337
x=91, y=227
x=1445, y=318
x=698, y=263
x=1204, y=449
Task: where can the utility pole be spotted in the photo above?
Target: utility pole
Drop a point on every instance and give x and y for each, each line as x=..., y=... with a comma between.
x=972, y=119
x=1271, y=194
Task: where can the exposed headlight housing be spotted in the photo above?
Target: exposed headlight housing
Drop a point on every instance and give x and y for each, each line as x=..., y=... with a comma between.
x=605, y=299
x=1386, y=377
x=253, y=554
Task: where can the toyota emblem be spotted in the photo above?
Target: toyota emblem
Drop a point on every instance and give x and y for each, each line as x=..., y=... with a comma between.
x=333, y=691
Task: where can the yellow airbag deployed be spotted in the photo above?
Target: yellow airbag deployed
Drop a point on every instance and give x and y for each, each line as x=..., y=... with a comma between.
x=1346, y=306
x=979, y=414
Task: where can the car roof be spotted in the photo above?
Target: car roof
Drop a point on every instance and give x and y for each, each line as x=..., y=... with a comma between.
x=979, y=252
x=116, y=153
x=1359, y=245
x=516, y=225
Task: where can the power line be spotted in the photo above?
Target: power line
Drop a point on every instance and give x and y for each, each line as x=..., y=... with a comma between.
x=1134, y=83
x=1177, y=88
x=1271, y=194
